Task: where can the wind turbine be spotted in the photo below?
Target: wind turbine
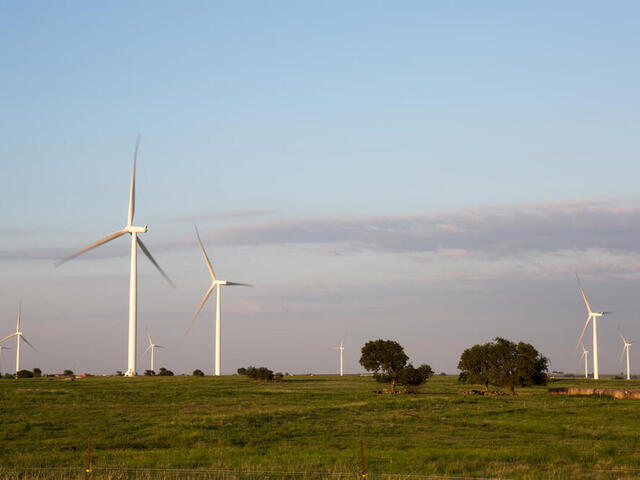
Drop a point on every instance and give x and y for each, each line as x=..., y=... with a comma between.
x=19, y=336
x=626, y=347
x=2, y=348
x=341, y=348
x=214, y=283
x=133, y=279
x=592, y=316
x=152, y=346
x=585, y=355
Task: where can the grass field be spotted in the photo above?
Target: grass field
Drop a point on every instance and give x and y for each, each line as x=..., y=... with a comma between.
x=210, y=427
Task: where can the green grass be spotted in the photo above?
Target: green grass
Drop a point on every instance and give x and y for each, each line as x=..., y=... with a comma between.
x=165, y=427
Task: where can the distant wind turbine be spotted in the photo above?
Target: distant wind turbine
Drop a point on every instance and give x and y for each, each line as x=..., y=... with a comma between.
x=152, y=346
x=19, y=336
x=133, y=279
x=626, y=347
x=585, y=355
x=2, y=348
x=592, y=316
x=214, y=283
x=341, y=348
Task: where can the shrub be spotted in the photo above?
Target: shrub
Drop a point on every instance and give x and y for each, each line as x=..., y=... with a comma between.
x=242, y=371
x=165, y=373
x=261, y=373
x=119, y=373
x=68, y=373
x=24, y=374
x=198, y=373
x=149, y=373
x=37, y=372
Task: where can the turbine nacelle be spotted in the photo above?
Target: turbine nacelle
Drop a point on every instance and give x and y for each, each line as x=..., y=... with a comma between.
x=132, y=229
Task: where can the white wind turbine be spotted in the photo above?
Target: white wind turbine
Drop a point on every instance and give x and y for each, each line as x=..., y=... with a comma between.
x=585, y=355
x=626, y=347
x=2, y=348
x=152, y=346
x=341, y=348
x=592, y=316
x=214, y=283
x=133, y=281
x=19, y=336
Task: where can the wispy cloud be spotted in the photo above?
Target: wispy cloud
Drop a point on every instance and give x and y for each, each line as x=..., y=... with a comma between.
x=231, y=214
x=508, y=230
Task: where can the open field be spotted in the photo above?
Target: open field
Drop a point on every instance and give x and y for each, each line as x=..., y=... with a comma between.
x=310, y=424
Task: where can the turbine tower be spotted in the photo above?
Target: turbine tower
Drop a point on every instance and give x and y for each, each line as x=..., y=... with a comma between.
x=585, y=355
x=626, y=347
x=214, y=283
x=2, y=348
x=341, y=348
x=133, y=278
x=19, y=336
x=152, y=346
x=592, y=316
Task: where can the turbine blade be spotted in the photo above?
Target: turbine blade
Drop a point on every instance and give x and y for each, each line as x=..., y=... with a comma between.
x=149, y=337
x=583, y=295
x=159, y=346
x=206, y=257
x=606, y=313
x=145, y=352
x=582, y=356
x=206, y=296
x=341, y=343
x=132, y=192
x=622, y=337
x=622, y=354
x=7, y=338
x=19, y=316
x=148, y=254
x=235, y=284
x=27, y=342
x=583, y=330
x=106, y=239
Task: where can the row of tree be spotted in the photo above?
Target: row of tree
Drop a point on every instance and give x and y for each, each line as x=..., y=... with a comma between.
x=500, y=362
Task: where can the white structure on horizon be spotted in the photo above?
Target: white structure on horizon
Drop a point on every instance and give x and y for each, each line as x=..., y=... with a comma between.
x=592, y=316
x=585, y=355
x=626, y=347
x=341, y=348
x=152, y=346
x=19, y=336
x=133, y=279
x=214, y=283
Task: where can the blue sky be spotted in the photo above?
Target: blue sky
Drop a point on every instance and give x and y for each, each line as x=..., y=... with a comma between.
x=374, y=170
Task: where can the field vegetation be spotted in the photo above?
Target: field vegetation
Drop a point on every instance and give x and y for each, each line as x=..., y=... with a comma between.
x=233, y=427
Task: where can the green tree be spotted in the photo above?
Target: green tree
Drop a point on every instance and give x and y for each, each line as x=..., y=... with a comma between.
x=24, y=374
x=149, y=373
x=198, y=373
x=165, y=373
x=37, y=372
x=386, y=359
x=412, y=377
x=503, y=363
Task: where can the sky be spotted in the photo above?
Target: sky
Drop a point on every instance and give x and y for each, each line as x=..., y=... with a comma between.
x=432, y=173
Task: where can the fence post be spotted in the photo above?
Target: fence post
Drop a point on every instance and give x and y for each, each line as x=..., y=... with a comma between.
x=363, y=471
x=88, y=469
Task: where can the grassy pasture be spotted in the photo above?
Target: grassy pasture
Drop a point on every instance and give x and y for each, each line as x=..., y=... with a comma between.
x=310, y=424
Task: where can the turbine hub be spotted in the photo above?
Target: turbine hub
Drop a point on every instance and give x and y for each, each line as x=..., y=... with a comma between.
x=133, y=229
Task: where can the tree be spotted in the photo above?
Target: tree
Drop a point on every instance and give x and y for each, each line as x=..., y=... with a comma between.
x=68, y=373
x=504, y=364
x=412, y=377
x=386, y=359
x=37, y=372
x=24, y=374
x=198, y=373
x=242, y=371
x=165, y=373
x=149, y=373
